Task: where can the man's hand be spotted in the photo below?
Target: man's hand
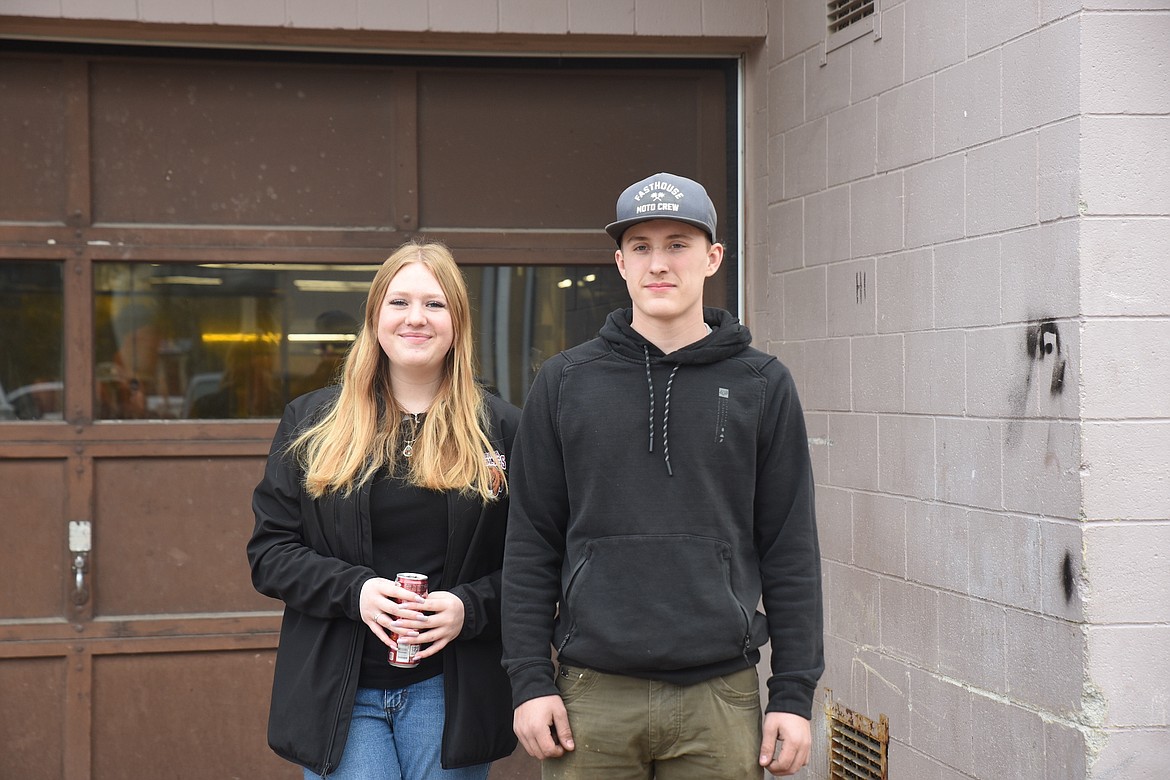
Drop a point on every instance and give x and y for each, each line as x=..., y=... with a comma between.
x=542, y=726
x=795, y=736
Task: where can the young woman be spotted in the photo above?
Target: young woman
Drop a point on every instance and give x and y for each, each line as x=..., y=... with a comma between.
x=401, y=468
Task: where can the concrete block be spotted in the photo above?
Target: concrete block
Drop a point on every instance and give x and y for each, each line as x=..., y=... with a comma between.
x=906, y=117
x=852, y=141
x=972, y=641
x=1123, y=267
x=876, y=215
x=480, y=16
x=916, y=764
x=941, y=724
x=791, y=354
x=1000, y=377
x=804, y=304
x=534, y=16
x=341, y=15
x=967, y=104
x=257, y=13
x=827, y=85
x=601, y=17
x=805, y=159
x=774, y=45
x=392, y=15
x=835, y=523
x=775, y=168
x=826, y=226
x=944, y=46
x=935, y=201
x=1128, y=572
x=1045, y=663
x=851, y=605
x=906, y=455
x=1040, y=273
x=828, y=372
x=853, y=451
x=176, y=11
x=1051, y=10
x=878, y=65
x=967, y=283
x=1125, y=468
x=937, y=540
x=1064, y=752
x=879, y=534
x=1130, y=665
x=1132, y=753
x=668, y=17
x=1062, y=579
x=775, y=306
x=786, y=95
x=910, y=622
x=50, y=8
x=1005, y=559
x=1010, y=741
x=838, y=671
x=1041, y=77
x=817, y=427
x=1129, y=354
x=786, y=235
x=994, y=22
x=1042, y=468
x=1123, y=64
x=1001, y=185
x=107, y=9
x=851, y=300
x=1124, y=160
x=804, y=26
x=744, y=18
x=936, y=373
x=967, y=456
x=1059, y=154
x=904, y=292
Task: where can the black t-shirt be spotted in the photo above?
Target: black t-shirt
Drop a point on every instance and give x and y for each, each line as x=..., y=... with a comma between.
x=409, y=527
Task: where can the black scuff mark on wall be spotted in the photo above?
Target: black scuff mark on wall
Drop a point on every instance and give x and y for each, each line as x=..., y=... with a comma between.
x=1067, y=580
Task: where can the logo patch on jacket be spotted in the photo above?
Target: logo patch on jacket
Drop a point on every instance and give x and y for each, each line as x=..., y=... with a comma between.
x=721, y=415
x=497, y=465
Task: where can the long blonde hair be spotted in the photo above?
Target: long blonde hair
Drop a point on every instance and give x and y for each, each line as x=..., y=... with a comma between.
x=357, y=435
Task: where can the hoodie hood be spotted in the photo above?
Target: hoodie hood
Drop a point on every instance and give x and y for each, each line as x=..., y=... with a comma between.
x=726, y=339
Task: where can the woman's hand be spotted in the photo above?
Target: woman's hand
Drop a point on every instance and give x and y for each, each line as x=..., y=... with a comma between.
x=378, y=604
x=440, y=621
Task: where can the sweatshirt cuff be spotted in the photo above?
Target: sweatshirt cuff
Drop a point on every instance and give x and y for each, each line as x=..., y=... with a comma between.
x=791, y=696
x=532, y=681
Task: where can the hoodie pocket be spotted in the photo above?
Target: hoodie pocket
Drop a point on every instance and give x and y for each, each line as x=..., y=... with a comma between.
x=653, y=602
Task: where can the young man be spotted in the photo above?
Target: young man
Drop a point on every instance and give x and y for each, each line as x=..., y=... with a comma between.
x=661, y=486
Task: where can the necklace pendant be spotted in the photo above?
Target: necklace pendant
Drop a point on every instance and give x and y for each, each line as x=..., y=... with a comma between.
x=408, y=450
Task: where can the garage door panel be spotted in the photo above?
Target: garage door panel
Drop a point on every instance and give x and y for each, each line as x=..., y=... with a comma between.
x=184, y=715
x=33, y=558
x=169, y=536
x=32, y=135
x=265, y=144
x=32, y=730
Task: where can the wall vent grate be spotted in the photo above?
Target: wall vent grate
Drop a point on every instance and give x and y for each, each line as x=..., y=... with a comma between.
x=858, y=746
x=842, y=13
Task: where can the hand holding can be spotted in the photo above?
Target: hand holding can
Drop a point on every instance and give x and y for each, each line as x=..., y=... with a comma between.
x=403, y=655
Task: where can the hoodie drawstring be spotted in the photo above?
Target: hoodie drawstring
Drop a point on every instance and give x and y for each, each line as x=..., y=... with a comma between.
x=665, y=410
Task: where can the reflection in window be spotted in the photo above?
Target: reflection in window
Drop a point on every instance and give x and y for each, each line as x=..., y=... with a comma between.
x=31, y=340
x=231, y=340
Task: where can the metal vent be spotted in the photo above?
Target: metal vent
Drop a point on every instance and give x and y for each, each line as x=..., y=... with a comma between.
x=843, y=13
x=858, y=746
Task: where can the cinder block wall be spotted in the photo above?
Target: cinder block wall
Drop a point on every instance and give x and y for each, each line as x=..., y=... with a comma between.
x=957, y=240
x=966, y=232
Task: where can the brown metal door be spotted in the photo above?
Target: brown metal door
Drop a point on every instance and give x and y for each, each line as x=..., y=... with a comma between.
x=131, y=641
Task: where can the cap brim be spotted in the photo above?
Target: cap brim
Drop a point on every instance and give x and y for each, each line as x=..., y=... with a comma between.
x=617, y=229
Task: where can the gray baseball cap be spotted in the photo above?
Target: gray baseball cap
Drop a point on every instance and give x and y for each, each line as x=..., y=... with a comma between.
x=663, y=196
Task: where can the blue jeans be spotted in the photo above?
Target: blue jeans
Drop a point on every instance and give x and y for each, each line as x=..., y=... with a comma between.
x=397, y=735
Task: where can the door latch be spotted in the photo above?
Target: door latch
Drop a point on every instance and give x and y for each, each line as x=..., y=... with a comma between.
x=80, y=543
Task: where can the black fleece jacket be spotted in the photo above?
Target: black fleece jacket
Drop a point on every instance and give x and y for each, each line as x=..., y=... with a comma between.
x=655, y=500
x=314, y=555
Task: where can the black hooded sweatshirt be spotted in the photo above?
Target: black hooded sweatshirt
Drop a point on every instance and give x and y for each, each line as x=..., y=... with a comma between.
x=655, y=500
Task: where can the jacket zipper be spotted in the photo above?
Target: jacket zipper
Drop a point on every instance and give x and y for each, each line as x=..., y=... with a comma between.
x=568, y=590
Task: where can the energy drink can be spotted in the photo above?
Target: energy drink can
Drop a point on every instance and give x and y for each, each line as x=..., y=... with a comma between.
x=404, y=656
